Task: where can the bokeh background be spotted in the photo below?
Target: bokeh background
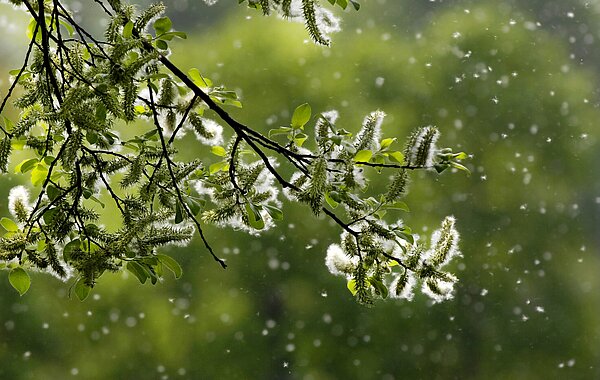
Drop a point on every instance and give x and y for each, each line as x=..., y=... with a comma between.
x=515, y=83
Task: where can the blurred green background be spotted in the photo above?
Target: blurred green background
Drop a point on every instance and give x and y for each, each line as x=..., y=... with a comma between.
x=515, y=83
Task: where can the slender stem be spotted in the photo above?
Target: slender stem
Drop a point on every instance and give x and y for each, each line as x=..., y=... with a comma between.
x=176, y=186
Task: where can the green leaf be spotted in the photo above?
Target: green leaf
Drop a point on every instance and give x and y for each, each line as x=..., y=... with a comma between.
x=460, y=156
x=87, y=193
x=274, y=212
x=397, y=156
x=48, y=215
x=398, y=206
x=405, y=236
x=218, y=151
x=193, y=205
x=67, y=26
x=151, y=273
x=363, y=156
x=380, y=288
x=441, y=167
x=387, y=142
x=342, y=3
x=91, y=137
x=161, y=45
x=31, y=29
x=254, y=218
x=330, y=201
x=171, y=264
x=222, y=165
x=301, y=115
x=198, y=79
x=138, y=271
x=26, y=165
x=139, y=109
x=9, y=225
x=52, y=192
x=128, y=29
x=178, y=212
x=39, y=174
x=380, y=214
x=19, y=279
x=18, y=143
x=460, y=167
x=71, y=246
x=162, y=25
x=279, y=131
x=300, y=139
x=231, y=102
x=355, y=4
x=93, y=198
x=8, y=124
x=351, y=285
x=82, y=290
x=41, y=245
x=170, y=35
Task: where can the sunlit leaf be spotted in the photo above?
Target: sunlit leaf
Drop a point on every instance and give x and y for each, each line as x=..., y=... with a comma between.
x=9, y=225
x=460, y=167
x=128, y=29
x=39, y=174
x=26, y=165
x=218, y=151
x=351, y=285
x=387, y=142
x=330, y=201
x=363, y=156
x=300, y=138
x=301, y=115
x=397, y=156
x=19, y=279
x=222, y=165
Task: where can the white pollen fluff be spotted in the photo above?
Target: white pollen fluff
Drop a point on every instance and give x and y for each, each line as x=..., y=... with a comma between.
x=338, y=262
x=214, y=129
x=18, y=197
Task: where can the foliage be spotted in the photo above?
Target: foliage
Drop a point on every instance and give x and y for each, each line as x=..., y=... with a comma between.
x=100, y=119
x=275, y=304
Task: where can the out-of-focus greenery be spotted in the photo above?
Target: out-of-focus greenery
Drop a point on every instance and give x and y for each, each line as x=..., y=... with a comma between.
x=526, y=305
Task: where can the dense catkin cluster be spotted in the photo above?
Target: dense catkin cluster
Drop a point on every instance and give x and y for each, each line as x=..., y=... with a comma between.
x=385, y=266
x=378, y=258
x=313, y=195
x=421, y=149
x=370, y=134
x=246, y=200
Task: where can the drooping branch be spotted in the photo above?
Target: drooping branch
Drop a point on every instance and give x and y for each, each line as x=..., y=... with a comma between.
x=89, y=84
